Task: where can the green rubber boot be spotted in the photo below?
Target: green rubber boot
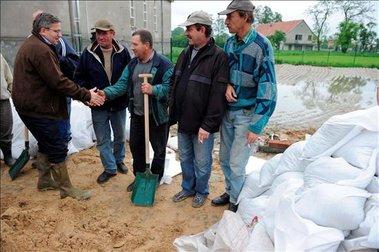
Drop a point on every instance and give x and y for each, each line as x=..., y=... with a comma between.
x=60, y=175
x=45, y=181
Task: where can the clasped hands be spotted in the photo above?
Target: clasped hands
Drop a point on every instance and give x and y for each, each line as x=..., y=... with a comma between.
x=97, y=97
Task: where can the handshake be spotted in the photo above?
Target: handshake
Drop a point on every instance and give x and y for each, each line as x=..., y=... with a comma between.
x=97, y=97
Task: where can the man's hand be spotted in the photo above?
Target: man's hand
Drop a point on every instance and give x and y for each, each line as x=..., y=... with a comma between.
x=96, y=98
x=202, y=135
x=251, y=138
x=230, y=94
x=146, y=88
x=102, y=93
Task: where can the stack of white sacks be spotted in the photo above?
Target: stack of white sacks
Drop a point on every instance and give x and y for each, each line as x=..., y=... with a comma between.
x=320, y=195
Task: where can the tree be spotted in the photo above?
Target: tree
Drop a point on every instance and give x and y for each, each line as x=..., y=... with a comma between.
x=356, y=10
x=367, y=36
x=320, y=13
x=348, y=32
x=277, y=38
x=219, y=32
x=265, y=15
x=178, y=37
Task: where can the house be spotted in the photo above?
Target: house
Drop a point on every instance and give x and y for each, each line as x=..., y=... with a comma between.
x=78, y=17
x=298, y=34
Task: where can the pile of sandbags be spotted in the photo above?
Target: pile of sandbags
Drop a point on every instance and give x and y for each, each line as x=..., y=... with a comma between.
x=321, y=194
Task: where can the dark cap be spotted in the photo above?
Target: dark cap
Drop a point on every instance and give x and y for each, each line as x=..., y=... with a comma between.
x=243, y=5
x=103, y=25
x=198, y=17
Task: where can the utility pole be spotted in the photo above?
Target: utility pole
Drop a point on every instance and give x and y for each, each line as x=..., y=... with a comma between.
x=73, y=7
x=162, y=26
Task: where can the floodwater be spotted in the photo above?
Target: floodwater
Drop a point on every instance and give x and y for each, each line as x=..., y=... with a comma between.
x=309, y=103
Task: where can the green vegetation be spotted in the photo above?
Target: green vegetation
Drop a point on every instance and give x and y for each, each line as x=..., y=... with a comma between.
x=316, y=58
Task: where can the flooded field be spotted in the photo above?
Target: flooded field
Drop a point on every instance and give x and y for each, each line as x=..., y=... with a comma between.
x=308, y=96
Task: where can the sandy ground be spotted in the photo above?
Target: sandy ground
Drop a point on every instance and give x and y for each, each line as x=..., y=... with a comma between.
x=40, y=221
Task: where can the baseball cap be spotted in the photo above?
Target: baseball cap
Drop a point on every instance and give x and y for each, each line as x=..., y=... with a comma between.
x=103, y=25
x=198, y=17
x=243, y=5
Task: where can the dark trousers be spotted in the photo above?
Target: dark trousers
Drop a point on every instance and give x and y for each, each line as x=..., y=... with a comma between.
x=52, y=136
x=6, y=125
x=158, y=140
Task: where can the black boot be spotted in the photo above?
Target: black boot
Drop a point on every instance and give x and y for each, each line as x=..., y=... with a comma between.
x=7, y=152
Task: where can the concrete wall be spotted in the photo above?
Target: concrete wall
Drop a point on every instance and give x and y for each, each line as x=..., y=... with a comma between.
x=16, y=21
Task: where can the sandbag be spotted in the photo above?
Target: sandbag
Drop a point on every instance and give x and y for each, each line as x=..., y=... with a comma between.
x=249, y=209
x=294, y=233
x=330, y=205
x=358, y=150
x=371, y=217
x=251, y=188
x=290, y=161
x=268, y=169
x=328, y=170
x=373, y=187
x=259, y=240
x=288, y=177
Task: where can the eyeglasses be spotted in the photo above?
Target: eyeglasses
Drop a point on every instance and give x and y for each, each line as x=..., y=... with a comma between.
x=56, y=31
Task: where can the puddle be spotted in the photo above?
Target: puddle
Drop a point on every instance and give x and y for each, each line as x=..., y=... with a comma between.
x=310, y=103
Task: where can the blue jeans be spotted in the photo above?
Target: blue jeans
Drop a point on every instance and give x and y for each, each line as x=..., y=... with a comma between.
x=110, y=155
x=196, y=162
x=234, y=151
x=52, y=136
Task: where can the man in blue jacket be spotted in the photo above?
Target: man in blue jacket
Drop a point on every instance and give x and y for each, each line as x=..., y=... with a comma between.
x=146, y=61
x=101, y=65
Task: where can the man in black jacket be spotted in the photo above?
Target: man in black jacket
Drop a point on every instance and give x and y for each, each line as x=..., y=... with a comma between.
x=197, y=103
x=101, y=65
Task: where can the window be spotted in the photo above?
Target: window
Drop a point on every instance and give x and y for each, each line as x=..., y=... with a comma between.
x=155, y=17
x=298, y=37
x=132, y=16
x=309, y=37
x=144, y=14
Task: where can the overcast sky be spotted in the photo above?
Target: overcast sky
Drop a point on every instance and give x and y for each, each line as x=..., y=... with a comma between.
x=290, y=10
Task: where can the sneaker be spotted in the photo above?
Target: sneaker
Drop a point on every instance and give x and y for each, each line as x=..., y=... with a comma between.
x=198, y=200
x=121, y=168
x=182, y=195
x=221, y=200
x=104, y=177
x=232, y=207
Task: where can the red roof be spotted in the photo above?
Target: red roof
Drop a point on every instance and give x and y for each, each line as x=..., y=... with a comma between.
x=269, y=29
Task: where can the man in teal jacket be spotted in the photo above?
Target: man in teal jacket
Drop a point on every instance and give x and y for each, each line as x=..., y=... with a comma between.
x=146, y=61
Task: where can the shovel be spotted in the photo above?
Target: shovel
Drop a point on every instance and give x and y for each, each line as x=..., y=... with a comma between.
x=145, y=183
x=21, y=161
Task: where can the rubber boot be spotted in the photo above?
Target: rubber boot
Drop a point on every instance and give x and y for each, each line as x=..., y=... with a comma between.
x=60, y=175
x=7, y=152
x=45, y=181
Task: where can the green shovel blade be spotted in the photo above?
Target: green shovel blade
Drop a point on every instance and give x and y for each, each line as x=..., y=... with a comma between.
x=144, y=188
x=21, y=161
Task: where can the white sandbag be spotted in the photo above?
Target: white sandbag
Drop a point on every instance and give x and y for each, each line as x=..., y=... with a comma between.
x=251, y=188
x=373, y=187
x=288, y=177
x=358, y=150
x=328, y=170
x=339, y=130
x=232, y=234
x=268, y=169
x=371, y=217
x=249, y=209
x=283, y=190
x=259, y=240
x=290, y=161
x=355, y=244
x=294, y=233
x=365, y=176
x=81, y=126
x=335, y=206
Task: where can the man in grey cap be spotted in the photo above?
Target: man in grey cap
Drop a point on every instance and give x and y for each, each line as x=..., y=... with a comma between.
x=197, y=104
x=251, y=96
x=101, y=65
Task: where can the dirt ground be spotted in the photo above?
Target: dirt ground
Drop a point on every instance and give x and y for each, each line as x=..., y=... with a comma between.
x=40, y=221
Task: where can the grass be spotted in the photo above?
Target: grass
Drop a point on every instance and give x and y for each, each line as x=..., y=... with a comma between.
x=316, y=58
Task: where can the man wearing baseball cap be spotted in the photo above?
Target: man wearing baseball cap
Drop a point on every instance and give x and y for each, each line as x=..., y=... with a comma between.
x=197, y=104
x=251, y=96
x=101, y=65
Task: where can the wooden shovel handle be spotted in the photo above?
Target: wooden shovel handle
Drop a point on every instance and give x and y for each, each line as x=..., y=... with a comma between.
x=146, y=114
x=26, y=134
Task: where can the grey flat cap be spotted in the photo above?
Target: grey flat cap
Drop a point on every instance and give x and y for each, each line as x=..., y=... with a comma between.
x=103, y=25
x=243, y=5
x=198, y=17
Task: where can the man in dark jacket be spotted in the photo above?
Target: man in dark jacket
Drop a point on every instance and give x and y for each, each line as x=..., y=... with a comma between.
x=39, y=95
x=101, y=65
x=146, y=61
x=197, y=103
